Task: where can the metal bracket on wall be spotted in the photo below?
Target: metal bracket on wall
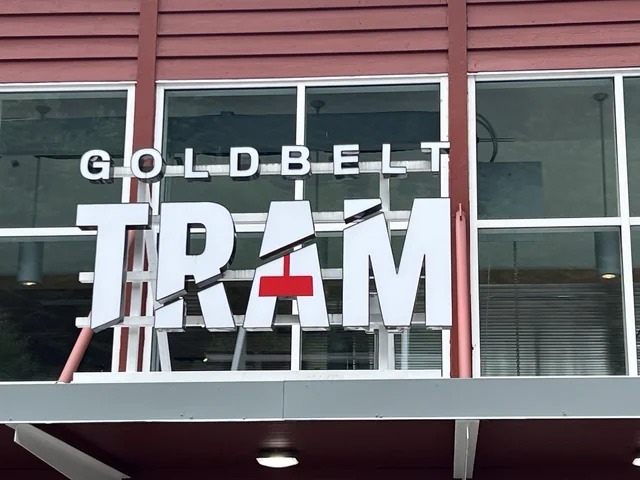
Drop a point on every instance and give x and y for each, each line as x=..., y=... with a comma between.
x=464, y=445
x=68, y=460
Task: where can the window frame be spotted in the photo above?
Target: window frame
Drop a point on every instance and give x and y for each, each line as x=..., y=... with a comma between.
x=128, y=87
x=623, y=220
x=325, y=221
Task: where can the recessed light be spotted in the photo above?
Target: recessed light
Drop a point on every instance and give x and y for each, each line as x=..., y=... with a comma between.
x=608, y=276
x=277, y=458
x=636, y=460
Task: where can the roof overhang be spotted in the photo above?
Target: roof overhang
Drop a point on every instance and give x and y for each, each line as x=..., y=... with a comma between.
x=278, y=396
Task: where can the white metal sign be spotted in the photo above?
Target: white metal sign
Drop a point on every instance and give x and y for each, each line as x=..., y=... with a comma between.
x=292, y=269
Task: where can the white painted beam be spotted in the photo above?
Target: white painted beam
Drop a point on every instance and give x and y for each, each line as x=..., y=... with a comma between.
x=464, y=444
x=68, y=460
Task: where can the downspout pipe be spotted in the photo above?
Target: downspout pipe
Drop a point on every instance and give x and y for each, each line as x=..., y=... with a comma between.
x=84, y=338
x=462, y=296
x=76, y=356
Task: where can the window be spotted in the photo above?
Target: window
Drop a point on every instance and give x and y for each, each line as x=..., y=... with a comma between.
x=545, y=308
x=552, y=237
x=211, y=121
x=42, y=137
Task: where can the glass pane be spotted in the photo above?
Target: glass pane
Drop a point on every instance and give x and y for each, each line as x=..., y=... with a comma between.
x=42, y=137
x=40, y=299
x=330, y=250
x=213, y=121
x=546, y=149
x=338, y=350
x=414, y=185
x=551, y=303
x=632, y=119
x=402, y=115
x=635, y=249
x=327, y=193
x=198, y=349
x=418, y=349
x=246, y=256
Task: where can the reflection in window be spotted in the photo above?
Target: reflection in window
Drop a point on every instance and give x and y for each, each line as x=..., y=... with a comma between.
x=40, y=299
x=550, y=304
x=632, y=119
x=369, y=116
x=198, y=349
x=418, y=349
x=338, y=350
x=635, y=251
x=536, y=138
x=42, y=137
x=213, y=121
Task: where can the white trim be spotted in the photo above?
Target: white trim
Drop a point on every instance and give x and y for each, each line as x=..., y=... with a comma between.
x=554, y=74
x=252, y=375
x=625, y=230
x=306, y=81
x=129, y=125
x=163, y=350
x=549, y=222
x=444, y=109
x=128, y=142
x=147, y=348
x=301, y=112
x=296, y=342
x=473, y=233
x=115, y=347
x=64, y=87
x=42, y=232
x=446, y=352
x=132, y=348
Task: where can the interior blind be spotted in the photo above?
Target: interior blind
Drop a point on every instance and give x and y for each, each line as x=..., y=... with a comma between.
x=554, y=329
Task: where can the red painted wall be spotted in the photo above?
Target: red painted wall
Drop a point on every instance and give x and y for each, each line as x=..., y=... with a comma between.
x=557, y=34
x=68, y=40
x=293, y=38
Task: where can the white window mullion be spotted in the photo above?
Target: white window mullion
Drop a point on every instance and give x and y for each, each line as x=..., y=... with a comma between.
x=473, y=232
x=625, y=230
x=296, y=332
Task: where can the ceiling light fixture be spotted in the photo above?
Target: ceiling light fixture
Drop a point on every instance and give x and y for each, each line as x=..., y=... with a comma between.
x=277, y=458
x=636, y=459
x=607, y=243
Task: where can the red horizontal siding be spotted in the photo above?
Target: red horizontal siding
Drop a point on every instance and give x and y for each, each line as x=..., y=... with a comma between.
x=514, y=13
x=287, y=21
x=68, y=25
x=554, y=59
x=244, y=5
x=534, y=35
x=300, y=66
x=253, y=38
x=557, y=35
x=303, y=44
x=68, y=48
x=23, y=7
x=67, y=71
x=68, y=40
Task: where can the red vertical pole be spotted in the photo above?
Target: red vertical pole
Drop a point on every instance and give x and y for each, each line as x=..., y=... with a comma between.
x=463, y=337
x=459, y=164
x=143, y=127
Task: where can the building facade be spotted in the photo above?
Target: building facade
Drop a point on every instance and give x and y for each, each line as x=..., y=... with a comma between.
x=384, y=237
